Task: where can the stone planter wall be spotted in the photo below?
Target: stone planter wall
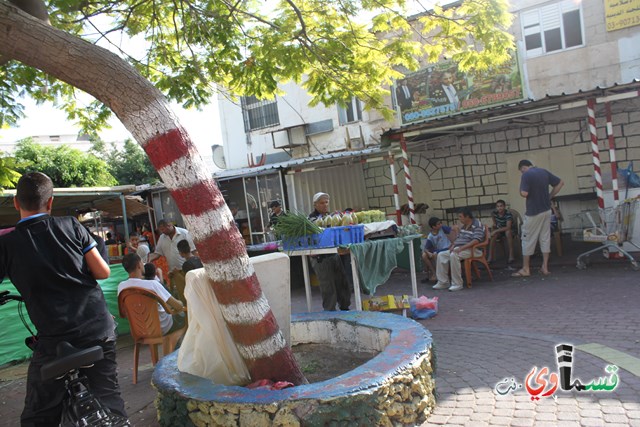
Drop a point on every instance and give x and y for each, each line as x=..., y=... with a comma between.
x=394, y=388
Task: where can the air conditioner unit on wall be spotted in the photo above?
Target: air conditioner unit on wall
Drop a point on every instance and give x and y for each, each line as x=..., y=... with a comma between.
x=290, y=137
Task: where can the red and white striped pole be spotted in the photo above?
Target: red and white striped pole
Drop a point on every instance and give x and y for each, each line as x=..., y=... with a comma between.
x=396, y=197
x=596, y=155
x=407, y=178
x=612, y=154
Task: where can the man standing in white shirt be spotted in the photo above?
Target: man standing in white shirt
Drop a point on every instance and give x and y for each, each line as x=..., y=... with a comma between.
x=168, y=244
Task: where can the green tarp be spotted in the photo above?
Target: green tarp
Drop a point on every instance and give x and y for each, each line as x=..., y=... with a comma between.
x=13, y=332
x=376, y=259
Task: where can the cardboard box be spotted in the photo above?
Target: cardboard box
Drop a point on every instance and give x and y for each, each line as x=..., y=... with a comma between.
x=386, y=303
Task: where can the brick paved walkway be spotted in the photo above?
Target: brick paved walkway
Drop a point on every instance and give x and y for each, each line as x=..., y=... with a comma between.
x=502, y=329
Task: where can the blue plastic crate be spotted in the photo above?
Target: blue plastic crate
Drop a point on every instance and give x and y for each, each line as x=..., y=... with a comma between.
x=350, y=234
x=326, y=239
x=330, y=237
x=307, y=242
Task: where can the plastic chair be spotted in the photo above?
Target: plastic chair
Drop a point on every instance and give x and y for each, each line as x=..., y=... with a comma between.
x=482, y=258
x=140, y=307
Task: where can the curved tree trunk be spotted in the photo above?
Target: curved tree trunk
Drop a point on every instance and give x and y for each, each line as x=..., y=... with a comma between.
x=145, y=112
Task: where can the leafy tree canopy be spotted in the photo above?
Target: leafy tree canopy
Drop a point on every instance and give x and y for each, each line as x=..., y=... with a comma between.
x=129, y=165
x=247, y=47
x=9, y=176
x=66, y=166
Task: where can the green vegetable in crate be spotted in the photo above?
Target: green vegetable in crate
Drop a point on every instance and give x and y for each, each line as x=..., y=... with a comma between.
x=346, y=219
x=294, y=225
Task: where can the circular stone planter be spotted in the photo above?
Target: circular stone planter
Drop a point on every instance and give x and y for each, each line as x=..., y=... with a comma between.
x=394, y=388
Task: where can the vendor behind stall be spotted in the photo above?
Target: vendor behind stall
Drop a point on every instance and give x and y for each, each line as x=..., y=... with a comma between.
x=334, y=285
x=276, y=211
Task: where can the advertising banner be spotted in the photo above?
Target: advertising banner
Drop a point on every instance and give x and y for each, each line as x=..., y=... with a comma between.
x=442, y=90
x=622, y=13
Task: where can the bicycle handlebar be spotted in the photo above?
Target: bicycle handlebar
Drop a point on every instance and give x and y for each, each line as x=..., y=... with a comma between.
x=5, y=297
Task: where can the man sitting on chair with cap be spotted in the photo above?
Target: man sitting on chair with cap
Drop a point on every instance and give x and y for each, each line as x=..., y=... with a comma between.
x=334, y=284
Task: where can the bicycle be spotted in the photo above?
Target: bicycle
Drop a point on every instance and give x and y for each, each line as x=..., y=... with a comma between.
x=80, y=408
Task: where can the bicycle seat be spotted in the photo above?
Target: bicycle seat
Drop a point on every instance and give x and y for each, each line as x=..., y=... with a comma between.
x=70, y=358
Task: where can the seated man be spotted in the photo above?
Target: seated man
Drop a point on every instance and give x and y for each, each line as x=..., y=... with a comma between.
x=168, y=322
x=503, y=225
x=437, y=240
x=471, y=232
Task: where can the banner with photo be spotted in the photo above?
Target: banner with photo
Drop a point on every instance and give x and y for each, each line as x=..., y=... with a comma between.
x=442, y=90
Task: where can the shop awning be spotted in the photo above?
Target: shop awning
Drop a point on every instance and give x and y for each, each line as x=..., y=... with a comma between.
x=74, y=201
x=318, y=160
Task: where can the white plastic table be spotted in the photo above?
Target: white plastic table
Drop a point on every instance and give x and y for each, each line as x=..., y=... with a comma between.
x=304, y=253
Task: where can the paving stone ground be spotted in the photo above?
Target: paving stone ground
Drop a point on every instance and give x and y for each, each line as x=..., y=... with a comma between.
x=482, y=335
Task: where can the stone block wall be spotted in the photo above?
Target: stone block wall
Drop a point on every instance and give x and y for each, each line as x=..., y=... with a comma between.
x=472, y=169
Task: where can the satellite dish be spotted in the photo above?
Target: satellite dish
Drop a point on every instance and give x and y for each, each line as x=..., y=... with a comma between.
x=218, y=156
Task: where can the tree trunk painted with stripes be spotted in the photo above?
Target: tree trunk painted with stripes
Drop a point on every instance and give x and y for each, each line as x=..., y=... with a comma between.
x=146, y=114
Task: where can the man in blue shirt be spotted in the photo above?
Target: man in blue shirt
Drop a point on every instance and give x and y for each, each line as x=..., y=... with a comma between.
x=437, y=240
x=534, y=187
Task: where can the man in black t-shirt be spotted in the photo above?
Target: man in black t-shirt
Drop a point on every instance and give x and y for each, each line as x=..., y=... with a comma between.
x=54, y=264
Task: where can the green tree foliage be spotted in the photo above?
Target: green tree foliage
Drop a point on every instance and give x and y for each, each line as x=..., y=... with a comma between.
x=131, y=165
x=336, y=49
x=9, y=176
x=66, y=166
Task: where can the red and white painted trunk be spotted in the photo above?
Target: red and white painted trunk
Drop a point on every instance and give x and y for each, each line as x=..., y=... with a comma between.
x=145, y=112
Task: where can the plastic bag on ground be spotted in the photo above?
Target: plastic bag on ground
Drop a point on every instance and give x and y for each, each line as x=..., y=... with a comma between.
x=423, y=307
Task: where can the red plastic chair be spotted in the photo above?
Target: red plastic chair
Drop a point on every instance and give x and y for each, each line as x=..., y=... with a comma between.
x=140, y=307
x=482, y=258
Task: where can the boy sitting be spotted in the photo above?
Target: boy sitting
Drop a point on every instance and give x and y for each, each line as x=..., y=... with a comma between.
x=503, y=225
x=168, y=322
x=438, y=240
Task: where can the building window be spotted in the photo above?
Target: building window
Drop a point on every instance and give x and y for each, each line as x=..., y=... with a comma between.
x=259, y=114
x=350, y=113
x=552, y=28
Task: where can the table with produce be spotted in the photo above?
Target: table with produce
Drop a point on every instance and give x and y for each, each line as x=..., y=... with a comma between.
x=373, y=242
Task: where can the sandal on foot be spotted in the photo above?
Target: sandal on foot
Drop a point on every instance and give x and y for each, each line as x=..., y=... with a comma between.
x=520, y=274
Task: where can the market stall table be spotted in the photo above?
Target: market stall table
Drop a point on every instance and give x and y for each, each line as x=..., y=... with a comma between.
x=365, y=248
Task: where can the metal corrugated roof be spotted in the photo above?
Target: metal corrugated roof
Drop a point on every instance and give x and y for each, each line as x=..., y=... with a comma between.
x=292, y=163
x=71, y=201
